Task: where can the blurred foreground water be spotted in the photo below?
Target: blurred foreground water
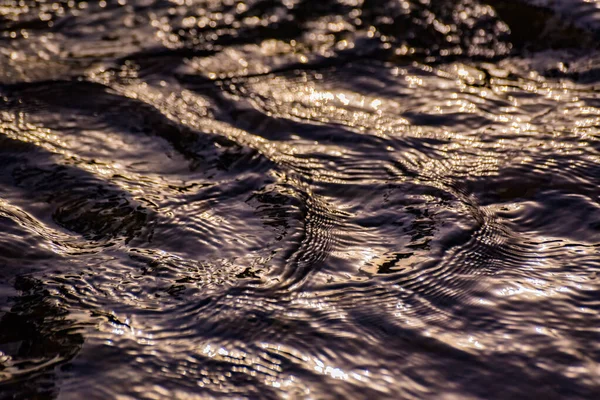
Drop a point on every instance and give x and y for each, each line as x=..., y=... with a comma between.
x=299, y=199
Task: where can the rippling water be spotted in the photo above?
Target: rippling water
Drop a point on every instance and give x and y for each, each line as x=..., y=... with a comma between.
x=299, y=199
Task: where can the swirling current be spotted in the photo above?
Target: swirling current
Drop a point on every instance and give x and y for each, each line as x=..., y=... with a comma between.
x=299, y=199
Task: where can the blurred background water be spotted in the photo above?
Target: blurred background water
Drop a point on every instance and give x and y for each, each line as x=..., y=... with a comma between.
x=299, y=199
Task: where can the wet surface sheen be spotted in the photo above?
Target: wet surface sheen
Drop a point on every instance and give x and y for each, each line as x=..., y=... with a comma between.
x=299, y=199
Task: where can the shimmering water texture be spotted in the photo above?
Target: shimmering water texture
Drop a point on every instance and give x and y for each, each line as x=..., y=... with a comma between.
x=294, y=199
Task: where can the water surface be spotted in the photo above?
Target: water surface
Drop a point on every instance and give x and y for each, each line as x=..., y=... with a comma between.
x=299, y=199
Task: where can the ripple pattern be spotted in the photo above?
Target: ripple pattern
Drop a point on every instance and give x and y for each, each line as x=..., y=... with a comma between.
x=296, y=199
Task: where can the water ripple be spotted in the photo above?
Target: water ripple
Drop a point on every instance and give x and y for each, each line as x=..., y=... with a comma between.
x=294, y=199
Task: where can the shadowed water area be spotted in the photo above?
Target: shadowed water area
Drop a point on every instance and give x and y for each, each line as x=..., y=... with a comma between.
x=295, y=199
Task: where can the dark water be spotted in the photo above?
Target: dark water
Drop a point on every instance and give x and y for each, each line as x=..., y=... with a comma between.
x=299, y=199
